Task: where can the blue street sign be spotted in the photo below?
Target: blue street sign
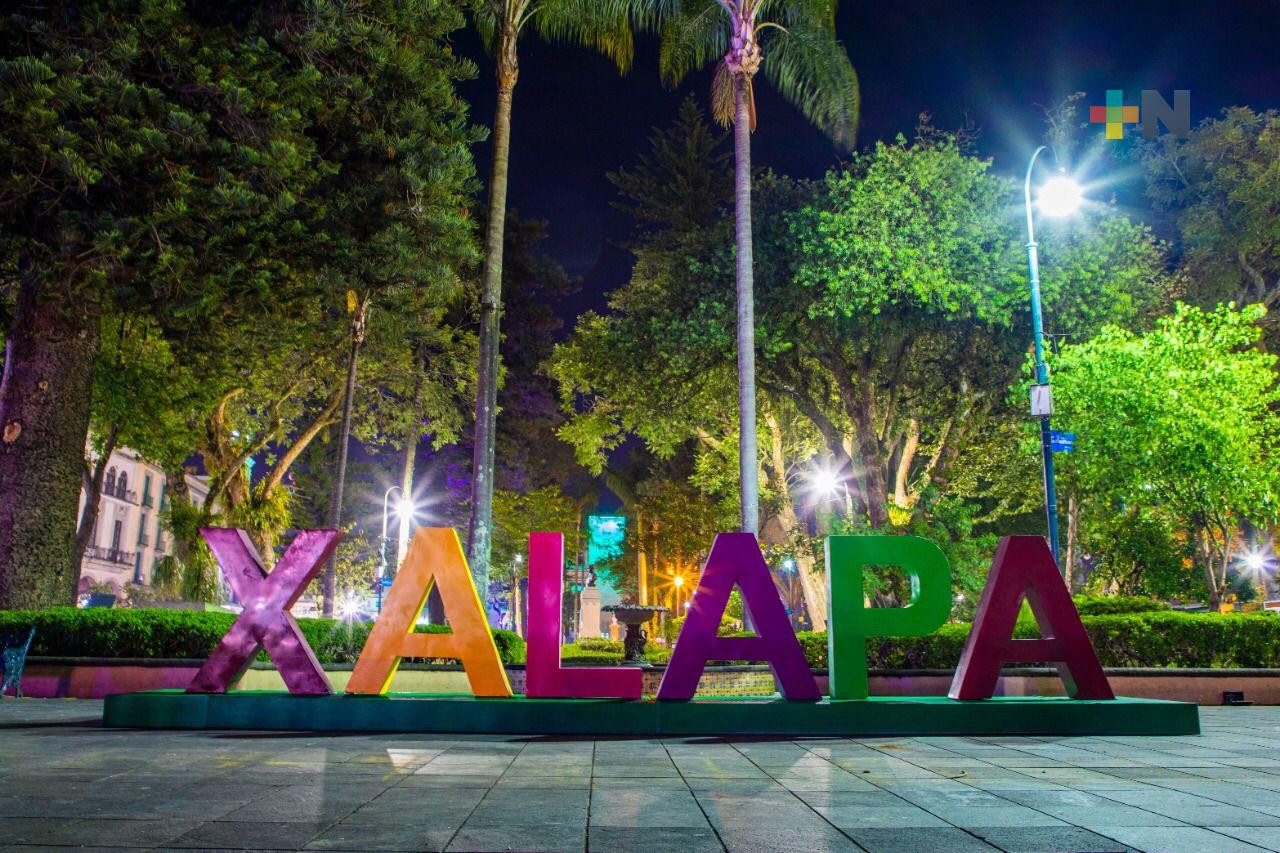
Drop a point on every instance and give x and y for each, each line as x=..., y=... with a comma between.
x=386, y=582
x=1062, y=442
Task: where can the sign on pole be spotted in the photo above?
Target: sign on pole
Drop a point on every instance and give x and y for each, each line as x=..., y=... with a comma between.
x=1062, y=442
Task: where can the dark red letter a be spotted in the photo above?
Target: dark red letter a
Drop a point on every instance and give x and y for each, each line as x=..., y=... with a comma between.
x=1024, y=566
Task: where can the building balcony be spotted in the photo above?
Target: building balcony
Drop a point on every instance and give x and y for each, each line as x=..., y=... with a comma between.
x=110, y=555
x=144, y=539
x=146, y=500
x=120, y=494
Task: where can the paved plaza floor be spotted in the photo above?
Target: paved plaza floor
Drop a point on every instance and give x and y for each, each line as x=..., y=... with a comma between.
x=65, y=782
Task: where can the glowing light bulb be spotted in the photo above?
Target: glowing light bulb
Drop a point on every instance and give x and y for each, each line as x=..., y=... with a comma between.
x=825, y=482
x=1060, y=196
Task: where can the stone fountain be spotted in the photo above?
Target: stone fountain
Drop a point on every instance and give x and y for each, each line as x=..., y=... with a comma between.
x=634, y=616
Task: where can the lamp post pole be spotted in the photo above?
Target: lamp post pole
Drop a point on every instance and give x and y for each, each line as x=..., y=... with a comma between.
x=1042, y=369
x=382, y=556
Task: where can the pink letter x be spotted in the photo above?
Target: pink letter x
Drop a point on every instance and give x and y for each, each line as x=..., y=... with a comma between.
x=266, y=620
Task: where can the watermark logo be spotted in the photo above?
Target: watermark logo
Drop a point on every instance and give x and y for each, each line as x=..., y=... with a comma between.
x=1155, y=111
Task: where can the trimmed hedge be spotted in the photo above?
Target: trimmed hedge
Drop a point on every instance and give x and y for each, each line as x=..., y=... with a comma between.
x=1155, y=638
x=1106, y=605
x=98, y=632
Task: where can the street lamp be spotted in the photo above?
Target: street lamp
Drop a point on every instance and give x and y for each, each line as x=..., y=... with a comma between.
x=825, y=482
x=404, y=511
x=1059, y=196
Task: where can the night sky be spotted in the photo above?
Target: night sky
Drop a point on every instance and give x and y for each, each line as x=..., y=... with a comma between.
x=993, y=63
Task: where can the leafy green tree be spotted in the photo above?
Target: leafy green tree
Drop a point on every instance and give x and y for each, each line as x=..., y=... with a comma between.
x=604, y=26
x=1138, y=552
x=1181, y=419
x=793, y=43
x=1219, y=187
x=142, y=399
x=892, y=299
x=393, y=207
x=153, y=156
x=515, y=516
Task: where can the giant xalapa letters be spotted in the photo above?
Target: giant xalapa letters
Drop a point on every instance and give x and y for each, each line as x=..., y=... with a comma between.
x=1023, y=569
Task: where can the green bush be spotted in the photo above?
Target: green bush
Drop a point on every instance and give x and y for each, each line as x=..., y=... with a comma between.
x=189, y=634
x=1152, y=638
x=1105, y=605
x=601, y=651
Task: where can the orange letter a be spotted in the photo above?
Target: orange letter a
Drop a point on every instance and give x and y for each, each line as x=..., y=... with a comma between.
x=435, y=559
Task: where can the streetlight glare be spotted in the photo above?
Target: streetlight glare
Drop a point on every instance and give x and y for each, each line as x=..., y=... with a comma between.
x=349, y=607
x=678, y=581
x=1254, y=561
x=1060, y=196
x=825, y=481
x=405, y=510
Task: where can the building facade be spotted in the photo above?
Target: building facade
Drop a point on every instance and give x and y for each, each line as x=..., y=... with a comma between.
x=128, y=538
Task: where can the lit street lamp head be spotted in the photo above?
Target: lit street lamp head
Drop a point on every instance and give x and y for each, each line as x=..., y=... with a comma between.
x=824, y=482
x=405, y=509
x=1059, y=196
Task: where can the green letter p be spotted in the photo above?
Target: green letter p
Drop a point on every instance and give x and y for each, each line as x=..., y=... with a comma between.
x=851, y=622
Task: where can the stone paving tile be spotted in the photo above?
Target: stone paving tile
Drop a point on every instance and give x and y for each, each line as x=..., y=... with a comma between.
x=645, y=807
x=1177, y=839
x=545, y=838
x=250, y=835
x=1051, y=839
x=1264, y=837
x=816, y=838
x=859, y=817
x=1006, y=815
x=1090, y=817
x=907, y=840
x=652, y=839
x=96, y=831
x=404, y=833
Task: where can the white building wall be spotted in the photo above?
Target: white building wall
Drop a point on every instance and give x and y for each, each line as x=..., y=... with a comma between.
x=128, y=537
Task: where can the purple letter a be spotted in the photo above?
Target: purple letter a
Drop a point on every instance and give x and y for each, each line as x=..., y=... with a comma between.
x=736, y=558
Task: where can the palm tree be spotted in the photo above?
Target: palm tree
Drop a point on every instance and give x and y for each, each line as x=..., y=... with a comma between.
x=603, y=25
x=793, y=43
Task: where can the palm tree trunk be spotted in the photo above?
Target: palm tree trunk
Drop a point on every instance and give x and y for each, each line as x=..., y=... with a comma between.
x=749, y=488
x=479, y=528
x=340, y=475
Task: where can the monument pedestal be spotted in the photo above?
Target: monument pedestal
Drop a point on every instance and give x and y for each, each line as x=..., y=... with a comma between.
x=589, y=623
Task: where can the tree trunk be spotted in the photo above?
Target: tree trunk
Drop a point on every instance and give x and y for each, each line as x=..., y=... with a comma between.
x=411, y=437
x=340, y=475
x=1210, y=574
x=177, y=491
x=877, y=490
x=52, y=346
x=812, y=582
x=749, y=488
x=479, y=527
x=517, y=623
x=92, y=501
x=902, y=498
